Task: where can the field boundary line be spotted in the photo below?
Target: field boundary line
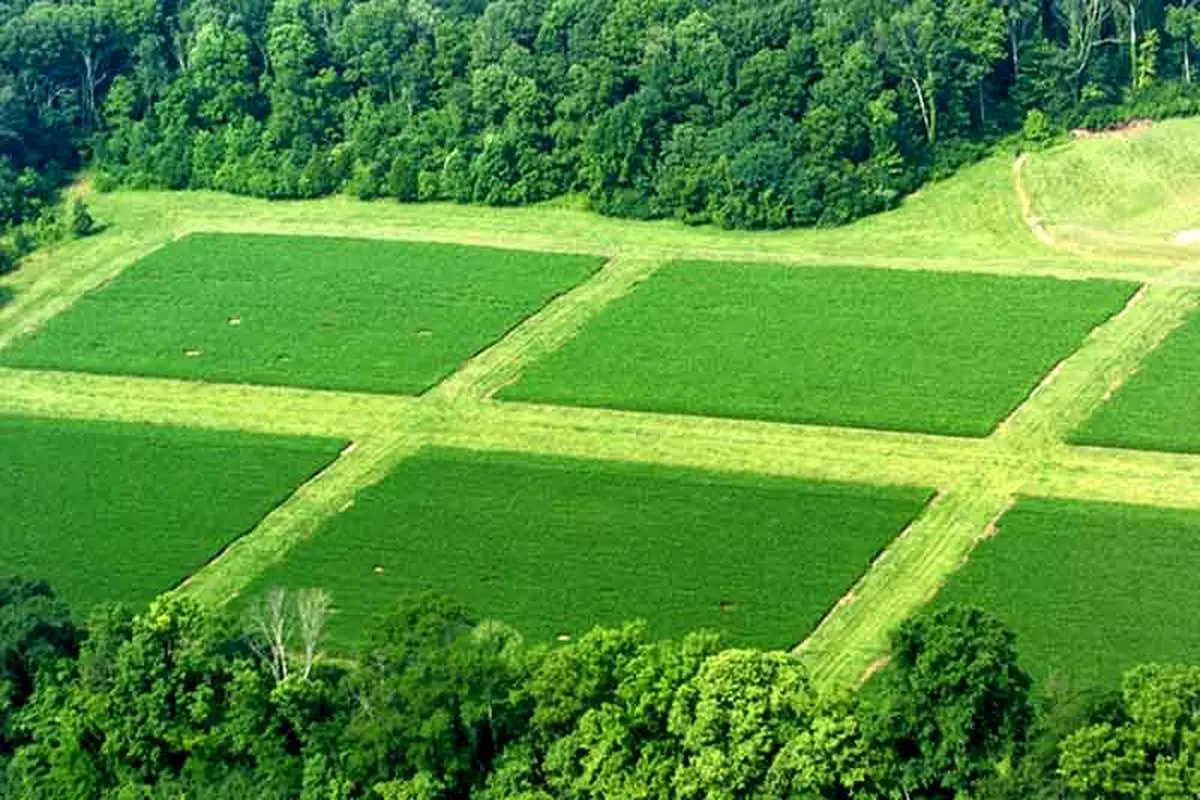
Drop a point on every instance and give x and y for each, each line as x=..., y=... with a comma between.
x=328, y=493
x=545, y=331
x=708, y=443
x=1109, y=475
x=712, y=443
x=1133, y=268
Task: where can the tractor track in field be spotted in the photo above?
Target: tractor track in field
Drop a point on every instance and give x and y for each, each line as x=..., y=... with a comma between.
x=1032, y=221
x=976, y=480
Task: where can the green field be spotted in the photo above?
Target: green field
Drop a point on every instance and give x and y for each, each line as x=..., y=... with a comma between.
x=303, y=311
x=555, y=546
x=939, y=353
x=113, y=512
x=1090, y=589
x=1157, y=408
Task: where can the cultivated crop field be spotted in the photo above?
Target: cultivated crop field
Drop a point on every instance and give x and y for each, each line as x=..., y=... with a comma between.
x=557, y=546
x=116, y=512
x=702, y=428
x=1090, y=589
x=921, y=351
x=1158, y=408
x=301, y=311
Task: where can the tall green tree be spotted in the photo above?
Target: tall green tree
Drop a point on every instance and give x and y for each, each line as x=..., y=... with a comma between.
x=1152, y=750
x=956, y=702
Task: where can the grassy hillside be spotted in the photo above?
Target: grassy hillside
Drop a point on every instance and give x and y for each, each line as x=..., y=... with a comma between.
x=1119, y=190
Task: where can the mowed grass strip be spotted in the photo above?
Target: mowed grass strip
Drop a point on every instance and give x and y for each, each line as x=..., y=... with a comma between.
x=918, y=351
x=556, y=546
x=302, y=311
x=1157, y=408
x=114, y=512
x=1091, y=589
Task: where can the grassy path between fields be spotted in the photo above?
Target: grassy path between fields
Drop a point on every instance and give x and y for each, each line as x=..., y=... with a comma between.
x=977, y=479
x=544, y=332
x=330, y=492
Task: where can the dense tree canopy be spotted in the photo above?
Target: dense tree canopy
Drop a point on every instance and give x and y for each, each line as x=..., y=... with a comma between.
x=744, y=114
x=181, y=702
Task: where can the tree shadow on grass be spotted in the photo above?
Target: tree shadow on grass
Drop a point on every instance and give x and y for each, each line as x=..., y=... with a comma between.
x=5, y=296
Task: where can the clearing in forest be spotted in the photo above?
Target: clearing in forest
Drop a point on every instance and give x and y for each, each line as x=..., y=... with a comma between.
x=1157, y=408
x=915, y=351
x=115, y=512
x=302, y=311
x=555, y=546
x=957, y=318
x=1090, y=589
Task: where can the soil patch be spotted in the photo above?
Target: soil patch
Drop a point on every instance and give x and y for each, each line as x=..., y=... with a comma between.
x=1120, y=130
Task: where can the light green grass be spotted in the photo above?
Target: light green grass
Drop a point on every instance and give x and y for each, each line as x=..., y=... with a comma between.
x=950, y=354
x=1157, y=409
x=1141, y=188
x=318, y=312
x=969, y=222
x=110, y=512
x=1089, y=589
x=971, y=216
x=557, y=546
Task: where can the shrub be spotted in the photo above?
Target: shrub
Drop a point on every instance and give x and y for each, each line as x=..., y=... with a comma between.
x=82, y=223
x=1036, y=130
x=24, y=241
x=50, y=227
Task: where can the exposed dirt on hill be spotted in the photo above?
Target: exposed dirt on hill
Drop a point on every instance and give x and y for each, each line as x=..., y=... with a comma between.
x=1123, y=130
x=1032, y=221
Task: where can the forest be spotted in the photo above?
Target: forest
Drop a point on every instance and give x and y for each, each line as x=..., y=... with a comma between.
x=182, y=702
x=749, y=115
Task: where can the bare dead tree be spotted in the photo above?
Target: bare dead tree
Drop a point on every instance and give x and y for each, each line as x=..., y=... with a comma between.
x=270, y=631
x=312, y=611
x=1084, y=21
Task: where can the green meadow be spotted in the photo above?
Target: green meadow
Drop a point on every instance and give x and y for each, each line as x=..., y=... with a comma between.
x=1157, y=409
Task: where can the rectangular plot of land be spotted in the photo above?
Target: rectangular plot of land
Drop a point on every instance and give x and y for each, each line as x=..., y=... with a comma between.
x=1157, y=408
x=1090, y=589
x=303, y=311
x=556, y=546
x=111, y=512
x=918, y=351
